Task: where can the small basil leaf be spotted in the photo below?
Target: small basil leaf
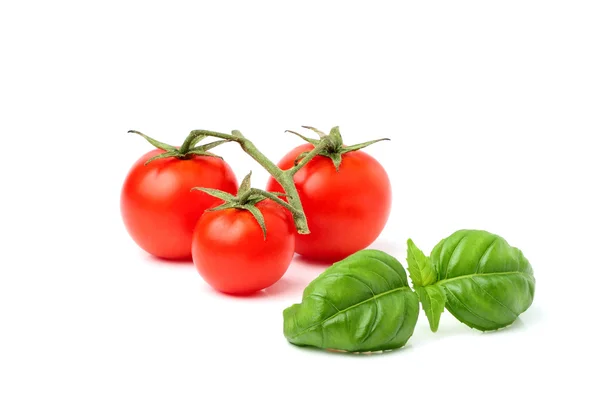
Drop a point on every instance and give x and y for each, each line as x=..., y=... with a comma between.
x=422, y=272
x=360, y=304
x=488, y=283
x=433, y=299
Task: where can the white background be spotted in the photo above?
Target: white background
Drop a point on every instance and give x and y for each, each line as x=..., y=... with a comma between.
x=492, y=107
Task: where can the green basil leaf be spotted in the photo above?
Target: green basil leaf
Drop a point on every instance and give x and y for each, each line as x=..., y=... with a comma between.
x=360, y=304
x=488, y=283
x=421, y=270
x=433, y=299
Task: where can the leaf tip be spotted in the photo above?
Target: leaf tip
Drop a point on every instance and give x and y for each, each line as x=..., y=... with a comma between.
x=337, y=161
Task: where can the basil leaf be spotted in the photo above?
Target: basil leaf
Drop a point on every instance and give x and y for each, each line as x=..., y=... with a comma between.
x=487, y=282
x=360, y=304
x=421, y=270
x=433, y=299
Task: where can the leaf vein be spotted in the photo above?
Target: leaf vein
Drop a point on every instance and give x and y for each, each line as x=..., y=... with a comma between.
x=404, y=288
x=485, y=252
x=493, y=298
x=319, y=296
x=400, y=324
x=352, y=277
x=469, y=309
x=372, y=328
x=452, y=254
x=390, y=267
x=443, y=281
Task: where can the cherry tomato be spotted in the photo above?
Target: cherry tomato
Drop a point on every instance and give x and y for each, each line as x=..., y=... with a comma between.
x=346, y=210
x=231, y=253
x=157, y=206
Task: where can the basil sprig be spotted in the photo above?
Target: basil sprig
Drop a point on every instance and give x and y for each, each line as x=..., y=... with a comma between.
x=364, y=303
x=477, y=276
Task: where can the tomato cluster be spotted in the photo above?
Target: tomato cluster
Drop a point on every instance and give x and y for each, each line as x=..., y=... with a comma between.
x=242, y=239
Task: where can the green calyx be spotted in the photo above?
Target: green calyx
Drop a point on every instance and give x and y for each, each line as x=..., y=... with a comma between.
x=335, y=148
x=187, y=150
x=247, y=198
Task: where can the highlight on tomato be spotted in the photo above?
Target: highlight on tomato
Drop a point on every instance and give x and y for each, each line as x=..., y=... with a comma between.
x=245, y=244
x=157, y=206
x=345, y=193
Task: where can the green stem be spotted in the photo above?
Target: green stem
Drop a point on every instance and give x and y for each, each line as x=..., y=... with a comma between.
x=276, y=199
x=257, y=155
x=320, y=147
x=244, y=197
x=187, y=144
x=223, y=136
x=285, y=178
x=195, y=141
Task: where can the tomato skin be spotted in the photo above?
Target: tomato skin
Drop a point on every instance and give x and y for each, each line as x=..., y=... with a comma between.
x=345, y=210
x=157, y=206
x=231, y=254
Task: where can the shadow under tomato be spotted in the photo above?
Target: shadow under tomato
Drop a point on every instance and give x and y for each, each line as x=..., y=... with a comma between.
x=313, y=262
x=284, y=286
x=396, y=249
x=380, y=244
x=162, y=260
x=246, y=296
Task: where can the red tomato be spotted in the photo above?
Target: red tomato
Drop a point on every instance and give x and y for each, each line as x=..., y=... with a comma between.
x=346, y=210
x=232, y=255
x=157, y=206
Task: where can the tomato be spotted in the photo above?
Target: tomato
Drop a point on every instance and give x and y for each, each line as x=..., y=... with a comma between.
x=157, y=206
x=346, y=210
x=231, y=253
